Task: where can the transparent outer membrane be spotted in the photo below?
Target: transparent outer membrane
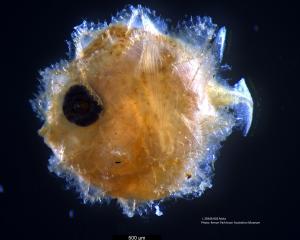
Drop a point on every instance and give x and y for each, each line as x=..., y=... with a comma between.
x=165, y=110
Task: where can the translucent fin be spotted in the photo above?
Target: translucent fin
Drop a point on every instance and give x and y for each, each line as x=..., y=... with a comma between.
x=140, y=19
x=244, y=106
x=237, y=99
x=219, y=44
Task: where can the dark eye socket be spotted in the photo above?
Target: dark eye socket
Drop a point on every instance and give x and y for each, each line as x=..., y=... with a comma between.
x=80, y=107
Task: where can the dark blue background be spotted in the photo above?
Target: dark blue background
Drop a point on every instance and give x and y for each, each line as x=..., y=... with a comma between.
x=255, y=177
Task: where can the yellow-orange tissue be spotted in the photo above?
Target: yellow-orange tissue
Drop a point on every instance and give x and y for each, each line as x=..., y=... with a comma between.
x=138, y=113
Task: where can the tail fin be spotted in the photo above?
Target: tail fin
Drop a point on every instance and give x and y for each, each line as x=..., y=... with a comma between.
x=237, y=99
x=243, y=106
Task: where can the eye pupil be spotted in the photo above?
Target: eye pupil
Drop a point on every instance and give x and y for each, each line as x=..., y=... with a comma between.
x=80, y=107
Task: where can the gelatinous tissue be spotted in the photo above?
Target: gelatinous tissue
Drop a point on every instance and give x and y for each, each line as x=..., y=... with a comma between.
x=138, y=112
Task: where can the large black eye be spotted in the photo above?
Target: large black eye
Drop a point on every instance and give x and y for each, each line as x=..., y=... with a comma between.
x=80, y=107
